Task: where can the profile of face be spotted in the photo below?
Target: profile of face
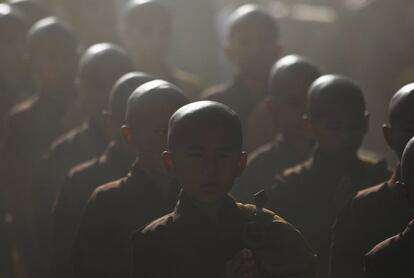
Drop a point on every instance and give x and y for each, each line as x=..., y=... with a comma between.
x=12, y=55
x=148, y=136
x=148, y=32
x=206, y=162
x=288, y=110
x=253, y=49
x=54, y=65
x=398, y=134
x=340, y=131
x=407, y=171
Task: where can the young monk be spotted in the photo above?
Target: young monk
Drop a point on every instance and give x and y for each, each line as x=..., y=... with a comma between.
x=379, y=212
x=393, y=257
x=312, y=193
x=34, y=123
x=85, y=177
x=100, y=67
x=207, y=233
x=290, y=79
x=102, y=245
x=253, y=47
x=147, y=33
x=13, y=65
x=31, y=10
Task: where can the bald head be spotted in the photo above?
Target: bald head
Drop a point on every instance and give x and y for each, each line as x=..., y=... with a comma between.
x=136, y=8
x=101, y=66
x=292, y=74
x=331, y=94
x=151, y=95
x=32, y=11
x=50, y=32
x=203, y=115
x=121, y=91
x=146, y=30
x=401, y=105
x=11, y=21
x=252, y=17
x=407, y=163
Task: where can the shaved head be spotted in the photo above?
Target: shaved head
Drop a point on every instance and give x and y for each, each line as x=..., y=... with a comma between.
x=292, y=74
x=11, y=20
x=203, y=115
x=151, y=94
x=32, y=11
x=331, y=94
x=102, y=65
x=121, y=91
x=252, y=16
x=50, y=32
x=401, y=105
x=407, y=163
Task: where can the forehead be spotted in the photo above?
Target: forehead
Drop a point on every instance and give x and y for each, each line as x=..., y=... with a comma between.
x=194, y=135
x=156, y=111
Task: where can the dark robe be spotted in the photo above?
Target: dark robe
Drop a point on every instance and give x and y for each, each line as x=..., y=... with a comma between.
x=186, y=243
x=264, y=164
x=82, y=180
x=392, y=258
x=311, y=194
x=372, y=216
x=102, y=246
x=30, y=128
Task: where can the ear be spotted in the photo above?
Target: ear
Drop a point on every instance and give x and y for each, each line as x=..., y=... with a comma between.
x=387, y=132
x=366, y=122
x=230, y=55
x=168, y=162
x=241, y=163
x=126, y=134
x=107, y=118
x=307, y=124
x=270, y=105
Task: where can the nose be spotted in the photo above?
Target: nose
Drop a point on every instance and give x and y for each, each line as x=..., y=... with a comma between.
x=210, y=166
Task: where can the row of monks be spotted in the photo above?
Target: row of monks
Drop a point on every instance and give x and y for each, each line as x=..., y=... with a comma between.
x=116, y=164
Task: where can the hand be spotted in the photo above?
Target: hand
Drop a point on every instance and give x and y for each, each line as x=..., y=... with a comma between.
x=242, y=265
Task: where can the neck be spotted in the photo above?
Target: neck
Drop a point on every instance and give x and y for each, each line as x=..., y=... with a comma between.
x=211, y=210
x=256, y=86
x=157, y=68
x=300, y=144
x=340, y=161
x=161, y=181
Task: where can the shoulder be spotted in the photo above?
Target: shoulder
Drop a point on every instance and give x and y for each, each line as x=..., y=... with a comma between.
x=21, y=111
x=294, y=175
x=155, y=229
x=66, y=139
x=187, y=79
x=217, y=92
x=108, y=192
x=84, y=172
x=370, y=196
x=285, y=248
x=249, y=210
x=263, y=152
x=376, y=168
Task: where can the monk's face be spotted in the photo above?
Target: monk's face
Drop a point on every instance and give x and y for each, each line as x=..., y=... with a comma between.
x=12, y=56
x=54, y=67
x=253, y=50
x=340, y=131
x=150, y=133
x=207, y=163
x=400, y=132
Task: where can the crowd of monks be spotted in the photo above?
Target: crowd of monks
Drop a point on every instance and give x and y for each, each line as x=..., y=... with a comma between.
x=115, y=164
